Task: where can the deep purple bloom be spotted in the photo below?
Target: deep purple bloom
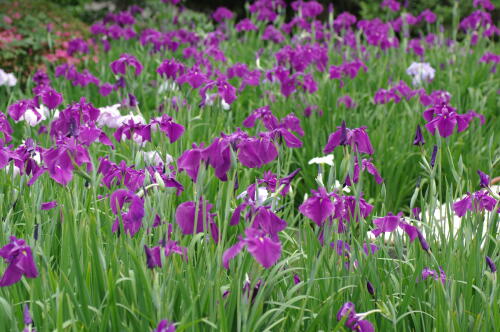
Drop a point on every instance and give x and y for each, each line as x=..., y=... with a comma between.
x=170, y=68
x=131, y=219
x=120, y=66
x=20, y=259
x=434, y=155
x=245, y=25
x=222, y=14
x=389, y=223
x=357, y=138
x=62, y=159
x=370, y=288
x=477, y=202
x=105, y=89
x=393, y=5
x=256, y=152
x=17, y=110
x=153, y=256
x=265, y=250
x=366, y=165
x=419, y=138
x=347, y=101
x=195, y=219
x=51, y=98
x=171, y=129
x=427, y=272
x=164, y=325
x=318, y=207
x=48, y=205
x=444, y=118
x=353, y=320
x=484, y=179
x=491, y=264
x=6, y=129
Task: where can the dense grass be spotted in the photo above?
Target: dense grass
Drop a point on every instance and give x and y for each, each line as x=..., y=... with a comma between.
x=94, y=280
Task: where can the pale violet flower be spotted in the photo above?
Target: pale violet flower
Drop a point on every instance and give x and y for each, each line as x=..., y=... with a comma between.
x=7, y=79
x=421, y=72
x=328, y=160
x=109, y=116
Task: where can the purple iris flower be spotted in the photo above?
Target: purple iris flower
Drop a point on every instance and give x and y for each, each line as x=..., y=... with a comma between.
x=62, y=159
x=357, y=138
x=256, y=152
x=319, y=206
x=136, y=131
x=6, y=129
x=17, y=110
x=427, y=272
x=389, y=223
x=131, y=219
x=347, y=101
x=366, y=165
x=188, y=216
x=194, y=77
x=222, y=14
x=51, y=98
x=105, y=89
x=484, y=179
x=393, y=5
x=20, y=259
x=477, y=202
x=48, y=205
x=165, y=325
x=120, y=65
x=444, y=118
x=171, y=69
x=419, y=138
x=353, y=320
x=491, y=264
x=245, y=24
x=265, y=250
x=114, y=174
x=171, y=129
x=153, y=255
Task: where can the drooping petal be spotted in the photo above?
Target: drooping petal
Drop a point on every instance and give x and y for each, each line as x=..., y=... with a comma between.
x=232, y=252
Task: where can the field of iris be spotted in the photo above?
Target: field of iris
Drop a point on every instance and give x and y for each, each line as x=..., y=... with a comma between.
x=177, y=171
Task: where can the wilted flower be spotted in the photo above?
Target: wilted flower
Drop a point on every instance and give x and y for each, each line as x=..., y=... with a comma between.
x=20, y=259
